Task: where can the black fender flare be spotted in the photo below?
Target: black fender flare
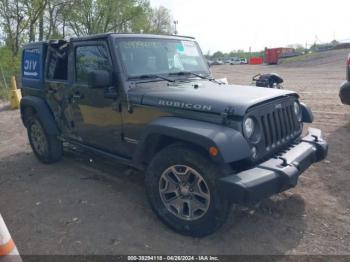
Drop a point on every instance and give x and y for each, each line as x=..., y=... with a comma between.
x=43, y=112
x=307, y=115
x=231, y=144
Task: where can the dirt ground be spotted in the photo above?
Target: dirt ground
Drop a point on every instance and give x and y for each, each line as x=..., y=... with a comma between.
x=87, y=205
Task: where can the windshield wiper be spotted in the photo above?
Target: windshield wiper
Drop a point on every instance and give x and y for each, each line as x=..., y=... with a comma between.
x=182, y=73
x=150, y=76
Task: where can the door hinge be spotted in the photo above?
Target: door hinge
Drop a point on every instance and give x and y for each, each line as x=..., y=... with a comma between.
x=128, y=139
x=228, y=112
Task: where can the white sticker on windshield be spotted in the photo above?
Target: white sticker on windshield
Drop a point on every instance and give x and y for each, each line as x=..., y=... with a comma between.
x=190, y=48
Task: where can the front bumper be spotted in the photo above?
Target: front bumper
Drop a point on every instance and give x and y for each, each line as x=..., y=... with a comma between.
x=276, y=174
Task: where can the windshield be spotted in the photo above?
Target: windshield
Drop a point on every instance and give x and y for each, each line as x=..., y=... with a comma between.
x=146, y=56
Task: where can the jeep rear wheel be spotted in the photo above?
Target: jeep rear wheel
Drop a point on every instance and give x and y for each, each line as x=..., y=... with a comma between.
x=47, y=148
x=181, y=188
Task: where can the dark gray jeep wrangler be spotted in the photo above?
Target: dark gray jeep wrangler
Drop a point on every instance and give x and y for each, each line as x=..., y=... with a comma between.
x=150, y=102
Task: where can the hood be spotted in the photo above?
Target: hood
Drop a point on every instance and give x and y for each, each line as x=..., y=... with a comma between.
x=204, y=96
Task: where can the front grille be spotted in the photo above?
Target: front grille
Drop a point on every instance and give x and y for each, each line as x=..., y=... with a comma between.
x=278, y=124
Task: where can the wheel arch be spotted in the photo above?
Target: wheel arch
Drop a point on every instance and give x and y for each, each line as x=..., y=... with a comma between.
x=197, y=134
x=157, y=141
x=307, y=115
x=31, y=105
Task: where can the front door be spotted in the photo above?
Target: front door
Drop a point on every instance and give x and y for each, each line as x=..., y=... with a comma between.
x=95, y=118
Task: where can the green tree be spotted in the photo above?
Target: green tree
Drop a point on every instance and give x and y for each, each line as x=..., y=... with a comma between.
x=18, y=20
x=160, y=21
x=34, y=10
x=51, y=18
x=9, y=66
x=97, y=16
x=13, y=22
x=218, y=54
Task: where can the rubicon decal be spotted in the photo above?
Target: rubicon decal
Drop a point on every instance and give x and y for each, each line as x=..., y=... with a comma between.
x=184, y=105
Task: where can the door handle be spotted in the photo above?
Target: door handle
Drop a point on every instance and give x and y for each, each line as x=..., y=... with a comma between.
x=77, y=96
x=50, y=90
x=110, y=93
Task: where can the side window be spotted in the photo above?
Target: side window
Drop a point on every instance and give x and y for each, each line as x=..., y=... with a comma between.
x=90, y=58
x=58, y=62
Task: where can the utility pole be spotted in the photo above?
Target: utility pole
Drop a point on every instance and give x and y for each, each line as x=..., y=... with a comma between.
x=176, y=22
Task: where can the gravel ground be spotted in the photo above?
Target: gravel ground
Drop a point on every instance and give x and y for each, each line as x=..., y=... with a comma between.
x=87, y=205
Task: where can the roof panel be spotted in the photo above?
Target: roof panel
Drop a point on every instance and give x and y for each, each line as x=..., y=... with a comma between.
x=124, y=35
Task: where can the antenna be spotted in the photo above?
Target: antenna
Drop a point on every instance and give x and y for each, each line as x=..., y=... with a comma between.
x=176, y=22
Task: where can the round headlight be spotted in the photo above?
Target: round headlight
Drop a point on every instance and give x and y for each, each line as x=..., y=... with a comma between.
x=297, y=111
x=248, y=127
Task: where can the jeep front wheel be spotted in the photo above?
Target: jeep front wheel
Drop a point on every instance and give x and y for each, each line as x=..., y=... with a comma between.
x=181, y=187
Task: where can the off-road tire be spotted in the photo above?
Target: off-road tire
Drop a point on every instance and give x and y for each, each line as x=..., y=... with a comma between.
x=53, y=150
x=219, y=207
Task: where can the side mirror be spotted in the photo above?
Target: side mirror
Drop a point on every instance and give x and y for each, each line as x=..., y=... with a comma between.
x=99, y=79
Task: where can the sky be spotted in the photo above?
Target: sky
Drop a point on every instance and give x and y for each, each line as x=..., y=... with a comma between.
x=228, y=25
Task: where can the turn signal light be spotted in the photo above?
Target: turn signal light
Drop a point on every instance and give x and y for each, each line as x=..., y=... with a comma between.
x=213, y=151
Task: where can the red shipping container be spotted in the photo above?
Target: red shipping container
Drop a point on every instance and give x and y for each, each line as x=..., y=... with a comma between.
x=256, y=60
x=272, y=54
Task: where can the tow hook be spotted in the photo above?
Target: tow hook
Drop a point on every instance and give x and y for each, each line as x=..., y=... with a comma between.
x=315, y=137
x=284, y=161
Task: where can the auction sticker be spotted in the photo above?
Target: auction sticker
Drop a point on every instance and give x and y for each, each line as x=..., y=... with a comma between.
x=190, y=48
